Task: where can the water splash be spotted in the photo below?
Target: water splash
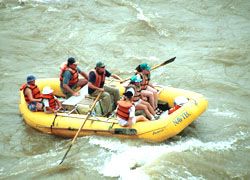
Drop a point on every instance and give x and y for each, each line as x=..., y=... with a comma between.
x=226, y=113
x=128, y=161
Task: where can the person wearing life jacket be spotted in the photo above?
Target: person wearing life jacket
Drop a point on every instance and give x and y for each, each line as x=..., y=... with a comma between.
x=135, y=87
x=51, y=103
x=69, y=78
x=125, y=111
x=32, y=94
x=148, y=90
x=178, y=103
x=96, y=84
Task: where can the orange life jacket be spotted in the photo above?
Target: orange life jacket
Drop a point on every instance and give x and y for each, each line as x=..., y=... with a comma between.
x=34, y=90
x=74, y=73
x=51, y=98
x=145, y=81
x=99, y=78
x=123, y=109
x=173, y=109
x=137, y=95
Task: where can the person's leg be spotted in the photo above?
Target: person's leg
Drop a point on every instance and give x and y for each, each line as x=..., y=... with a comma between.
x=68, y=94
x=155, y=94
x=82, y=82
x=149, y=107
x=141, y=118
x=35, y=106
x=150, y=97
x=39, y=106
x=105, y=102
x=113, y=92
x=145, y=109
x=32, y=106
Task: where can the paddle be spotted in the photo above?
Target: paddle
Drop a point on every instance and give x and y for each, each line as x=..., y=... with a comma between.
x=89, y=113
x=154, y=67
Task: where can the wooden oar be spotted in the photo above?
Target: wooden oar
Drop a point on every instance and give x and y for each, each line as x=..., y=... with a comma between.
x=154, y=67
x=79, y=130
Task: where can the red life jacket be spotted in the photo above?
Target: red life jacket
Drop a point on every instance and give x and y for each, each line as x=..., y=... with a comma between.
x=99, y=78
x=137, y=95
x=173, y=109
x=123, y=109
x=145, y=81
x=74, y=73
x=51, y=98
x=34, y=90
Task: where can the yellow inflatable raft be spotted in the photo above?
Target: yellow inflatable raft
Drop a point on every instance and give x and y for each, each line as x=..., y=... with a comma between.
x=66, y=124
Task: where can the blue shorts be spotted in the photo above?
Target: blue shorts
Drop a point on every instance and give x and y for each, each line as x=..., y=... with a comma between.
x=32, y=106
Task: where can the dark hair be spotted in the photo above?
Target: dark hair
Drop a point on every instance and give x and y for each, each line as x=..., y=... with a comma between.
x=128, y=94
x=71, y=60
x=138, y=68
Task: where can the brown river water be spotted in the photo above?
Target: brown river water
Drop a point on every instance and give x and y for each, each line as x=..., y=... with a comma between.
x=211, y=42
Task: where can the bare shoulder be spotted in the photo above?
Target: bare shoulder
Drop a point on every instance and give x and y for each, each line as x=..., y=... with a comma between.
x=27, y=91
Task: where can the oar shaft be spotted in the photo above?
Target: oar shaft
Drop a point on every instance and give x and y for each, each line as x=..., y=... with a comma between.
x=79, y=130
x=88, y=114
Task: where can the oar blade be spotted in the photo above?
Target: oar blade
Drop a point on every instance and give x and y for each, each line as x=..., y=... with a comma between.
x=66, y=153
x=163, y=64
x=168, y=61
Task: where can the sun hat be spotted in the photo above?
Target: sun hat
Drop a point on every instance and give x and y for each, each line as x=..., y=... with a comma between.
x=145, y=66
x=47, y=90
x=135, y=78
x=30, y=78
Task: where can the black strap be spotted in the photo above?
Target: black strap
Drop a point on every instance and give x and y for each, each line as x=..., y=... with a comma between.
x=53, y=123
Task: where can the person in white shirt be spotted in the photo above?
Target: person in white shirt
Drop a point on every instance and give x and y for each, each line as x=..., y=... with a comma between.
x=126, y=111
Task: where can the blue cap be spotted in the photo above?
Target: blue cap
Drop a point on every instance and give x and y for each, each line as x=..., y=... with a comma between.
x=135, y=78
x=30, y=78
x=145, y=66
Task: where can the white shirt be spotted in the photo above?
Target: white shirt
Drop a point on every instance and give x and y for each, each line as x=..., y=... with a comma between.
x=132, y=112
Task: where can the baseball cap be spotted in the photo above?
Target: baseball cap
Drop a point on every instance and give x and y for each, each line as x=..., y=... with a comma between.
x=30, y=78
x=100, y=64
x=135, y=78
x=71, y=60
x=145, y=66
